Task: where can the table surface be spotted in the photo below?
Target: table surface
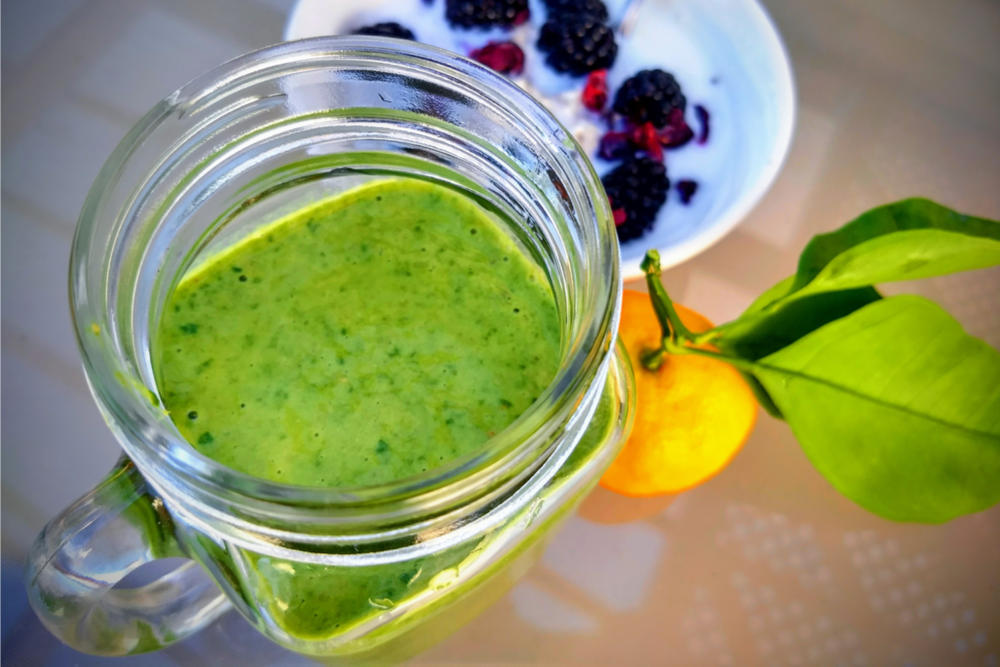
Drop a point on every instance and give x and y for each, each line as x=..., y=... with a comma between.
x=763, y=564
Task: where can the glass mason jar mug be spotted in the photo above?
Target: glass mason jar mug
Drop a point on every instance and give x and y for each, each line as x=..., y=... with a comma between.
x=324, y=571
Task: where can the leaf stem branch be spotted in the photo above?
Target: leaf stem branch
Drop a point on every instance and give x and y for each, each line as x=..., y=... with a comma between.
x=742, y=364
x=674, y=333
x=670, y=321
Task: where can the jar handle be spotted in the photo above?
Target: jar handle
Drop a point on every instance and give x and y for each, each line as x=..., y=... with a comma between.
x=81, y=554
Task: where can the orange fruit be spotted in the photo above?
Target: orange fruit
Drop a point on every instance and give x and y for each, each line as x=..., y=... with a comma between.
x=692, y=415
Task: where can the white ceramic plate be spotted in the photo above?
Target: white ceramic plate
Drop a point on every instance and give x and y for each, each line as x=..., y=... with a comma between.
x=727, y=56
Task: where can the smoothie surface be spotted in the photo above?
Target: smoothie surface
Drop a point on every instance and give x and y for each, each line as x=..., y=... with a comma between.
x=366, y=338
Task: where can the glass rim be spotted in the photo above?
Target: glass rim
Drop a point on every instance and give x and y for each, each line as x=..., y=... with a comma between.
x=129, y=409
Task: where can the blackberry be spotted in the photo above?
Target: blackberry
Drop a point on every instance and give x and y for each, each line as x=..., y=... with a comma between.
x=386, y=29
x=649, y=96
x=577, y=44
x=637, y=189
x=484, y=14
x=592, y=8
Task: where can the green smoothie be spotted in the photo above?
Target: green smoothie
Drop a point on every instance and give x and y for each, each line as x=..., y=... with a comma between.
x=363, y=339
x=367, y=338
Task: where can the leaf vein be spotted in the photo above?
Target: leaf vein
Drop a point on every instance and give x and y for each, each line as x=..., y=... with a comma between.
x=878, y=401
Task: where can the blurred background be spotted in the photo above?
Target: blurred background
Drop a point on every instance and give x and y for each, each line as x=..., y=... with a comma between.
x=763, y=564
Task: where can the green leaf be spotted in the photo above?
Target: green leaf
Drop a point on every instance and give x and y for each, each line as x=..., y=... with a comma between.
x=771, y=295
x=907, y=240
x=897, y=407
x=913, y=238
x=762, y=396
x=759, y=334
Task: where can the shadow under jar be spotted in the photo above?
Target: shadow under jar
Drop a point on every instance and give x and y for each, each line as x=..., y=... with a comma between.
x=375, y=572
